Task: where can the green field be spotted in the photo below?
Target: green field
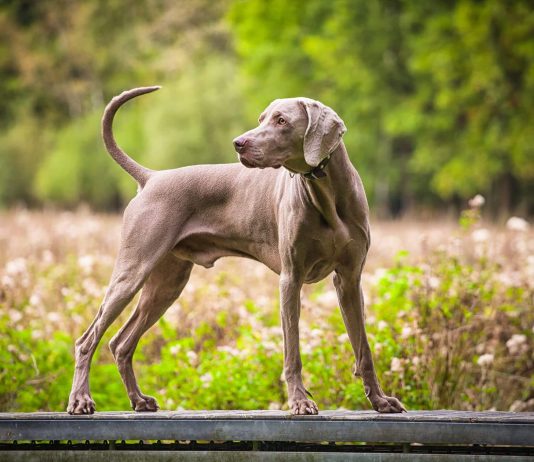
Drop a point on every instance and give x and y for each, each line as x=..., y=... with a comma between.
x=450, y=318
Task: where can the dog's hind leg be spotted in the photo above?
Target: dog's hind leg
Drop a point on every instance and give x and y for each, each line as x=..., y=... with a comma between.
x=163, y=286
x=146, y=238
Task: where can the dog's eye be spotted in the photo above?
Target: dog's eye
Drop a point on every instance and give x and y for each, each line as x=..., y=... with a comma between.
x=281, y=121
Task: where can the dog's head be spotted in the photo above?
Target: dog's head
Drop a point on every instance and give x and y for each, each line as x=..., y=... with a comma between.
x=297, y=133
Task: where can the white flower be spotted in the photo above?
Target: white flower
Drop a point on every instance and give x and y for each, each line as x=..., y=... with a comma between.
x=15, y=315
x=174, y=350
x=396, y=365
x=53, y=316
x=406, y=332
x=343, y=338
x=86, y=263
x=316, y=333
x=378, y=275
x=230, y=350
x=192, y=356
x=477, y=201
x=47, y=257
x=485, y=360
x=517, y=344
x=517, y=224
x=480, y=235
x=35, y=300
x=306, y=349
x=7, y=281
x=37, y=334
x=328, y=298
x=382, y=325
x=16, y=266
x=206, y=378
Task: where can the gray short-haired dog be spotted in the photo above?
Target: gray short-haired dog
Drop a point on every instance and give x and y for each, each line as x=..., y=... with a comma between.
x=303, y=221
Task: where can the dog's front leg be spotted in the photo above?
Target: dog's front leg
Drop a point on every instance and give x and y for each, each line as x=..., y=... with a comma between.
x=290, y=312
x=350, y=296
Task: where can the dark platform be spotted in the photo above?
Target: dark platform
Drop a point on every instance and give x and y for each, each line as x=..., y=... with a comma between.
x=260, y=435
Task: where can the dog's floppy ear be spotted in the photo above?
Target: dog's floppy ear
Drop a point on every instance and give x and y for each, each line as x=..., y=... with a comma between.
x=324, y=131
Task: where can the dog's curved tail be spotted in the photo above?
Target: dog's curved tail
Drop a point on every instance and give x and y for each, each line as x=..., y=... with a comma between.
x=137, y=171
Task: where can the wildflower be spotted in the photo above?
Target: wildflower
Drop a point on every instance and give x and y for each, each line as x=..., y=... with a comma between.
x=270, y=345
x=485, y=360
x=7, y=281
x=406, y=332
x=16, y=266
x=434, y=282
x=47, y=257
x=192, y=357
x=511, y=279
x=206, y=378
x=379, y=274
x=15, y=315
x=382, y=325
x=228, y=349
x=174, y=350
x=480, y=235
x=53, y=316
x=517, y=344
x=316, y=333
x=396, y=365
x=477, y=201
x=86, y=263
x=306, y=349
x=328, y=298
x=37, y=334
x=517, y=224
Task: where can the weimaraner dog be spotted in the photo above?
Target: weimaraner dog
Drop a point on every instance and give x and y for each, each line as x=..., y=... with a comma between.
x=303, y=221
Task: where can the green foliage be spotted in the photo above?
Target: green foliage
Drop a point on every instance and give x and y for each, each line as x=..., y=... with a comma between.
x=34, y=372
x=194, y=119
x=181, y=125
x=22, y=148
x=442, y=333
x=438, y=97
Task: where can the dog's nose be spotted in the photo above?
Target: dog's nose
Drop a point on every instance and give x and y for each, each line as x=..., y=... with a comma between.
x=239, y=143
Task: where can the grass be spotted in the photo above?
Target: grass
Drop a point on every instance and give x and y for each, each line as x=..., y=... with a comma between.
x=449, y=315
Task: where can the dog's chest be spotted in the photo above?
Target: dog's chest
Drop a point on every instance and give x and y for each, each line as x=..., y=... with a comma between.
x=319, y=252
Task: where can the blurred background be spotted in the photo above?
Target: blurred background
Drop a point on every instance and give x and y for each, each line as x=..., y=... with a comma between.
x=438, y=99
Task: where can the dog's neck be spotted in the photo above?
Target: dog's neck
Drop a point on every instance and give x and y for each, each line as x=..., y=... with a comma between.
x=338, y=195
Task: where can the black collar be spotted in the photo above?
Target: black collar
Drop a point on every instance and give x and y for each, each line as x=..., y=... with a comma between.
x=316, y=172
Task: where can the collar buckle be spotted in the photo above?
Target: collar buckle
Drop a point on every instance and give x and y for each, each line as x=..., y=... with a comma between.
x=317, y=172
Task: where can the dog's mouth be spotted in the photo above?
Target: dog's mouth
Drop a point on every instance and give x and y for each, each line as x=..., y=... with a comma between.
x=247, y=163
x=251, y=164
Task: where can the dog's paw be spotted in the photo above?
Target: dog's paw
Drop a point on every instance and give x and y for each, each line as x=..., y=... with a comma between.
x=304, y=407
x=387, y=404
x=145, y=404
x=81, y=403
